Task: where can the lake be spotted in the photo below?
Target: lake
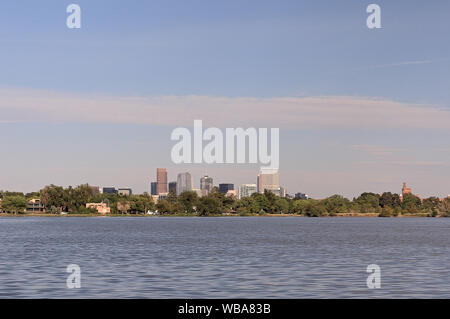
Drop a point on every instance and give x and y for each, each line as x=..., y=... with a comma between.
x=224, y=257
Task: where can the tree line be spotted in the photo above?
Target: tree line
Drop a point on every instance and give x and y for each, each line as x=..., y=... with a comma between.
x=73, y=200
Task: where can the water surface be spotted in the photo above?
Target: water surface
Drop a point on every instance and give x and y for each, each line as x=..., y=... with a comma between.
x=230, y=257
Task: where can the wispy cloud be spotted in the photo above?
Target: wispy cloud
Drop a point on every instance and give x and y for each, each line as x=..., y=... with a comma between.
x=20, y=105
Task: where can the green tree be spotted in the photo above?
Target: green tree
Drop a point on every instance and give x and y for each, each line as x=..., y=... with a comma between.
x=53, y=195
x=247, y=206
x=430, y=204
x=164, y=207
x=271, y=199
x=281, y=206
x=78, y=197
x=336, y=204
x=386, y=211
x=14, y=204
x=390, y=200
x=444, y=207
x=314, y=208
x=411, y=204
x=189, y=200
x=209, y=205
x=172, y=196
x=299, y=206
x=368, y=202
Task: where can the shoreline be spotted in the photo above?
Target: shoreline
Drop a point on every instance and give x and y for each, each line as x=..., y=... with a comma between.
x=360, y=215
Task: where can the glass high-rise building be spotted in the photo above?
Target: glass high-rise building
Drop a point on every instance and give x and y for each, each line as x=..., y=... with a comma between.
x=153, y=190
x=224, y=188
x=184, y=183
x=206, y=184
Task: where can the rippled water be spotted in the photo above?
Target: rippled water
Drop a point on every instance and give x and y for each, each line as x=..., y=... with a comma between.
x=224, y=257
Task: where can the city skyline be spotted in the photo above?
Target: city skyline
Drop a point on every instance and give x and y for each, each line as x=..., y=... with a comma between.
x=266, y=179
x=358, y=109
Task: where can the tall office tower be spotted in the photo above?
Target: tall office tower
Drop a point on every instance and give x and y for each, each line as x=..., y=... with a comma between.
x=153, y=187
x=184, y=183
x=269, y=179
x=206, y=184
x=224, y=188
x=161, y=180
x=246, y=190
x=173, y=185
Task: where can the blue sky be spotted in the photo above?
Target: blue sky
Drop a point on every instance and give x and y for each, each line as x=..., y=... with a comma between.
x=231, y=49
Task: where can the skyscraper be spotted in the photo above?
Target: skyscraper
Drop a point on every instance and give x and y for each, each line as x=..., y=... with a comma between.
x=206, y=184
x=161, y=180
x=153, y=187
x=184, y=183
x=269, y=179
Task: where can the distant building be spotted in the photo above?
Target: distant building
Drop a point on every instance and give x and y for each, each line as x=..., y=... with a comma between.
x=35, y=206
x=301, y=196
x=153, y=188
x=162, y=196
x=184, y=183
x=206, y=184
x=246, y=190
x=161, y=180
x=269, y=179
x=224, y=188
x=406, y=190
x=109, y=190
x=102, y=208
x=173, y=185
x=282, y=192
x=125, y=191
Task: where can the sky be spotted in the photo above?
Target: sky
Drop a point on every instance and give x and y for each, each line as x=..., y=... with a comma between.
x=358, y=109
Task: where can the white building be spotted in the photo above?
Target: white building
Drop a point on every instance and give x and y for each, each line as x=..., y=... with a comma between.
x=125, y=191
x=246, y=190
x=269, y=179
